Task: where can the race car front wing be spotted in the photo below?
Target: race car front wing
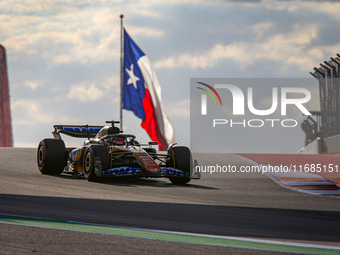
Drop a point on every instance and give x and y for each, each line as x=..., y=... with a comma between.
x=136, y=172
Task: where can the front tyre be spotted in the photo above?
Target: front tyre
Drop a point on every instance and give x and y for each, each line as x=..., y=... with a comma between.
x=180, y=158
x=51, y=156
x=92, y=153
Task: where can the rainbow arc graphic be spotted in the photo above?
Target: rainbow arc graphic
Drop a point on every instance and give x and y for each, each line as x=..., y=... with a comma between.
x=204, y=97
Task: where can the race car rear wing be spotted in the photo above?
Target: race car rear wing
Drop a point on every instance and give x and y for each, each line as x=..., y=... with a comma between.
x=79, y=131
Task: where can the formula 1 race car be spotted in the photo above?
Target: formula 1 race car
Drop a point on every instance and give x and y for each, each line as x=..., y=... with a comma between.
x=108, y=152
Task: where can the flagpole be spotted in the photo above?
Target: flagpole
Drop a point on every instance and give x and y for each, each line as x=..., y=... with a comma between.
x=121, y=16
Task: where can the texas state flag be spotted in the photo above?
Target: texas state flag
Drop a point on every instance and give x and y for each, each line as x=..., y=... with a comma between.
x=142, y=94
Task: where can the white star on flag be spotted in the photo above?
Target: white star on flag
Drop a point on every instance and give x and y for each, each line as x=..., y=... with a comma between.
x=132, y=77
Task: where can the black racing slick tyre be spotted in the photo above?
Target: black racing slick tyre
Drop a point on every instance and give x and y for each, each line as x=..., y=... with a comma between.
x=51, y=156
x=180, y=158
x=91, y=153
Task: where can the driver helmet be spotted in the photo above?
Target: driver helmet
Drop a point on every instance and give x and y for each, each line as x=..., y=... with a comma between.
x=113, y=130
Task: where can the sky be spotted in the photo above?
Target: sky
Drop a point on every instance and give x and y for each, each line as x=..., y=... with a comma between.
x=63, y=55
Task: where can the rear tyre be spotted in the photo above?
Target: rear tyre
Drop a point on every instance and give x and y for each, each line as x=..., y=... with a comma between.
x=51, y=156
x=183, y=162
x=91, y=153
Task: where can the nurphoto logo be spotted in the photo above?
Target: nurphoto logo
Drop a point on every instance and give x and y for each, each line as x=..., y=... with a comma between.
x=294, y=96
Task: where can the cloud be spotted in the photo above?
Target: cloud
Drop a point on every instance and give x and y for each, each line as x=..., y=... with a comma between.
x=33, y=84
x=327, y=7
x=180, y=109
x=146, y=31
x=292, y=48
x=67, y=34
x=262, y=28
x=85, y=93
x=27, y=111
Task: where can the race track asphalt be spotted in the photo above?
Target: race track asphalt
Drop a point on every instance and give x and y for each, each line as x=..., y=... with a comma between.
x=251, y=206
